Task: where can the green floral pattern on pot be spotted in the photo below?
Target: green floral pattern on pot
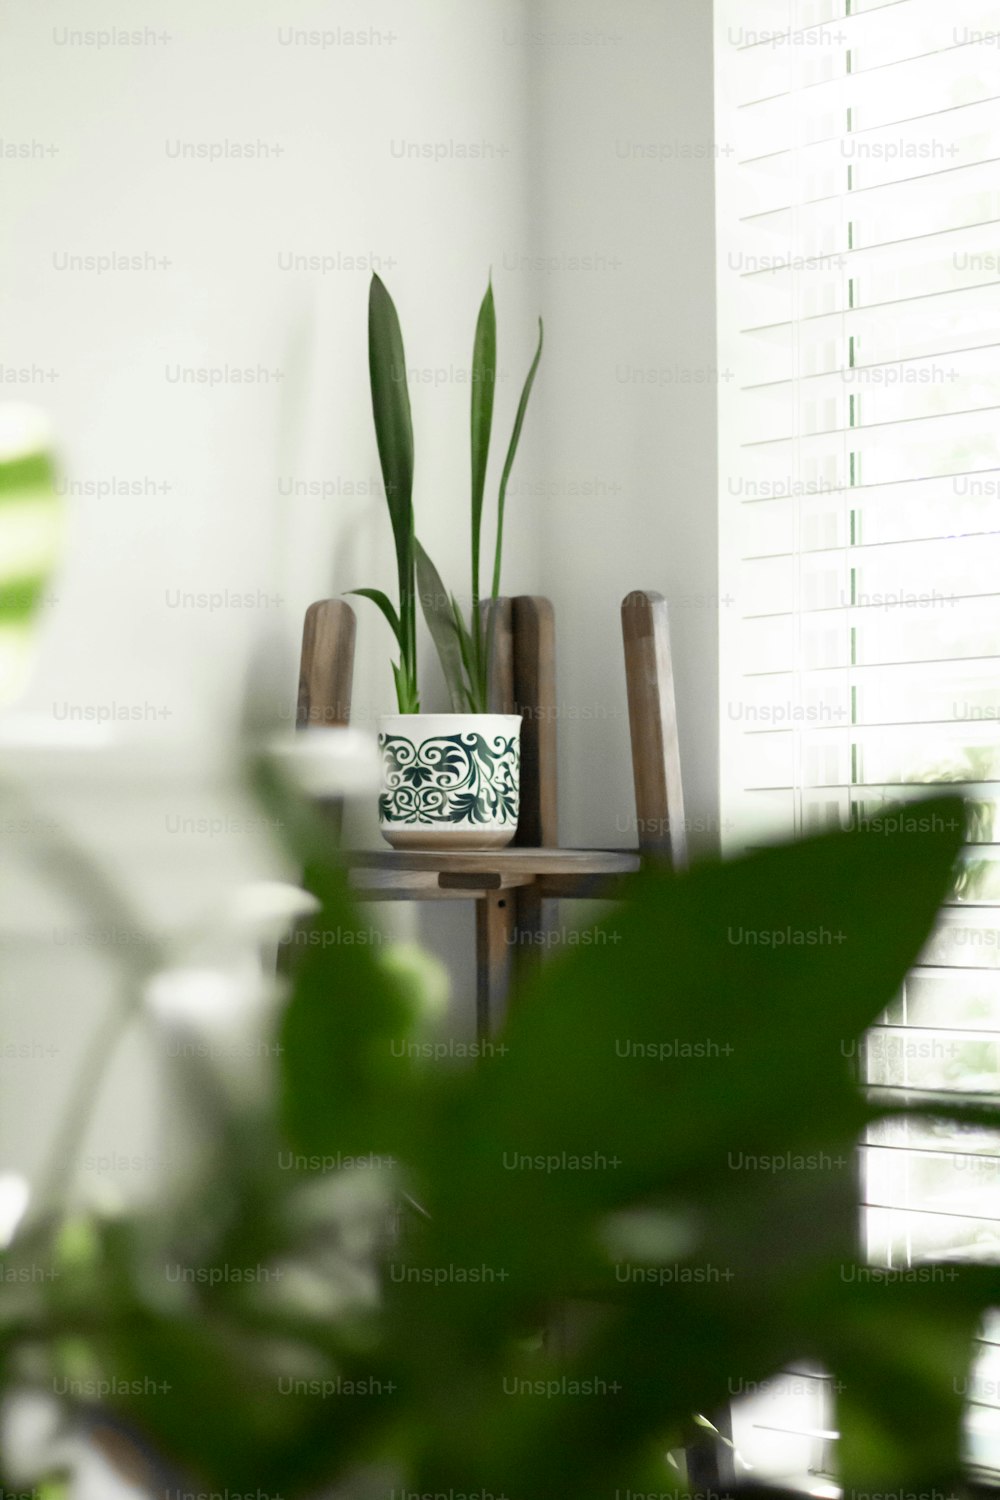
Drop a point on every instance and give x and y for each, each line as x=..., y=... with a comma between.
x=444, y=772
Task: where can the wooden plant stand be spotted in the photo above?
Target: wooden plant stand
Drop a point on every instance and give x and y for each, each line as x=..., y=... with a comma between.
x=512, y=887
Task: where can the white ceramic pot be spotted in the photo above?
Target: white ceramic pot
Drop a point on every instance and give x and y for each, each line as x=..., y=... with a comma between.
x=449, y=781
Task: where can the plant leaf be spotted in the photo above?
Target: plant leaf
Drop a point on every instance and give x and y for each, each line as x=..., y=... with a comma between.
x=491, y=607
x=484, y=359
x=387, y=607
x=467, y=647
x=484, y=362
x=515, y=438
x=394, y=434
x=735, y=989
x=407, y=697
x=440, y=621
x=31, y=525
x=391, y=409
x=800, y=931
x=341, y=1088
x=902, y=1346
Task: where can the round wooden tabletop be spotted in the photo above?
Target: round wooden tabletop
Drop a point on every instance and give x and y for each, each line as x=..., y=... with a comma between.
x=509, y=861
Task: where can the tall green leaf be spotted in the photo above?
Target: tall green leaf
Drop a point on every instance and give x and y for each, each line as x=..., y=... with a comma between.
x=484, y=365
x=515, y=438
x=436, y=605
x=467, y=648
x=484, y=370
x=394, y=434
x=391, y=408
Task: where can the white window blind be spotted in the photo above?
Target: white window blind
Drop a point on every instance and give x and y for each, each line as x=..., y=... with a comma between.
x=858, y=168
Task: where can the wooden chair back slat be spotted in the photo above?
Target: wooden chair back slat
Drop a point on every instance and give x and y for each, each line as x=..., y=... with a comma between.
x=502, y=660
x=326, y=672
x=656, y=760
x=534, y=629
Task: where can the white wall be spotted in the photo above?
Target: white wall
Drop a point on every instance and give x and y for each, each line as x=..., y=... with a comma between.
x=437, y=75
x=624, y=176
x=181, y=489
x=206, y=470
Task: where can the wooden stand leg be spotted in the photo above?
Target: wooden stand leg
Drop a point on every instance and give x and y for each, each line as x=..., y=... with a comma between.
x=496, y=930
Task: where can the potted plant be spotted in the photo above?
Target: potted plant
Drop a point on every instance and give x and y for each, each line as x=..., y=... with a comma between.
x=450, y=781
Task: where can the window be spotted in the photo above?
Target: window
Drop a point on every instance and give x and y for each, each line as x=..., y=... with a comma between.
x=858, y=159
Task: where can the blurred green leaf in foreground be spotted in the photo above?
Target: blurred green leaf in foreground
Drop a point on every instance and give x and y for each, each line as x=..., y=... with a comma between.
x=30, y=533
x=522, y=1276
